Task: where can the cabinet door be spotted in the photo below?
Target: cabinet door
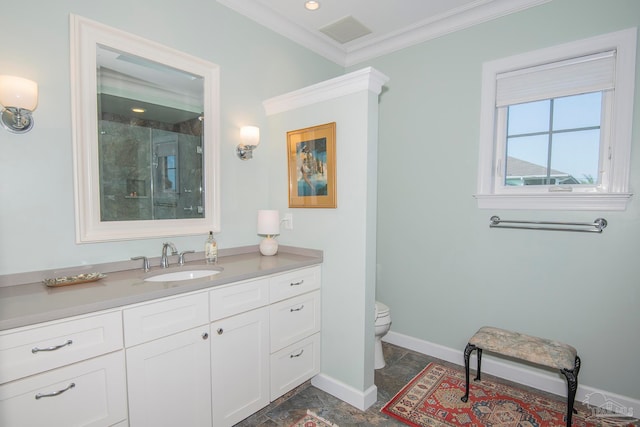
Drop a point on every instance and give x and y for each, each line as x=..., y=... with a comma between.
x=169, y=381
x=89, y=393
x=240, y=366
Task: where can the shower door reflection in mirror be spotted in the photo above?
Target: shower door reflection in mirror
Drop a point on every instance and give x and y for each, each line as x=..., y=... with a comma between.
x=150, y=139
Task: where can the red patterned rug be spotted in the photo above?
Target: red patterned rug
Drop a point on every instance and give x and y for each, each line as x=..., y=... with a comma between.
x=432, y=399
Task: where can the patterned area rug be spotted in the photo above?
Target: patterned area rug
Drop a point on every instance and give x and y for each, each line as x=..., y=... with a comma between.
x=312, y=420
x=432, y=399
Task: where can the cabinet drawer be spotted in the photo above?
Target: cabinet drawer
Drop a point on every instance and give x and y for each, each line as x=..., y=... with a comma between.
x=235, y=299
x=31, y=350
x=160, y=319
x=95, y=395
x=295, y=364
x=294, y=319
x=294, y=283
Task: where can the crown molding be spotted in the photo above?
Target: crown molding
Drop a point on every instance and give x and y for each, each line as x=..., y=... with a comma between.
x=355, y=52
x=440, y=25
x=368, y=79
x=265, y=16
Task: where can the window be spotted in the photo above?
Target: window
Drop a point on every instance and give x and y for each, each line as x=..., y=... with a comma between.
x=556, y=126
x=554, y=142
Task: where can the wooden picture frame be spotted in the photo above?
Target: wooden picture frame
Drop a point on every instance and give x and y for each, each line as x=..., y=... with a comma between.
x=312, y=167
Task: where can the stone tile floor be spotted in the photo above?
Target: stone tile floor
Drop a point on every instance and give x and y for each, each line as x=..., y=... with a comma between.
x=402, y=366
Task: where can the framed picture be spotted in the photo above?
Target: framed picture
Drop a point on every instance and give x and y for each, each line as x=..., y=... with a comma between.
x=312, y=167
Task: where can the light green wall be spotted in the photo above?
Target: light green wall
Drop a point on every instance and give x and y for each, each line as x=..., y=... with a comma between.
x=441, y=270
x=345, y=234
x=36, y=182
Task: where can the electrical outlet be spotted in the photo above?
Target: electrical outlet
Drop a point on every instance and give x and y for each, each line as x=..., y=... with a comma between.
x=288, y=221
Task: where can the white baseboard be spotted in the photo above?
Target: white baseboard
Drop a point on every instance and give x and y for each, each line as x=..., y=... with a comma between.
x=346, y=393
x=540, y=380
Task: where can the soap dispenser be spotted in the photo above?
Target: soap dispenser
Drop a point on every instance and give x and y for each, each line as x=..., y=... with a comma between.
x=211, y=249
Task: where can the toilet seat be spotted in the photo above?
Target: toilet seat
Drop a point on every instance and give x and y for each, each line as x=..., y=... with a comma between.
x=381, y=310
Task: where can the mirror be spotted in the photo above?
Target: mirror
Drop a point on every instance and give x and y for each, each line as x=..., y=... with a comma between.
x=145, y=121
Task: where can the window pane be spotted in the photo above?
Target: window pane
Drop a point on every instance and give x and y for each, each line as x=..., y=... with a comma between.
x=577, y=154
x=526, y=160
x=574, y=141
x=529, y=118
x=579, y=111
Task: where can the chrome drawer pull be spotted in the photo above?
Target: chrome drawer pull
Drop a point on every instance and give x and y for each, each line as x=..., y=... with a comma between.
x=52, y=348
x=55, y=393
x=291, y=356
x=296, y=309
x=297, y=283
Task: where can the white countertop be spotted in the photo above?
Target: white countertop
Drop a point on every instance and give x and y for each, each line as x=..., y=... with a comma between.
x=31, y=303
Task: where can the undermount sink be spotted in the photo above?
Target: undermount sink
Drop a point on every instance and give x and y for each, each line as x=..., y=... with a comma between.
x=175, y=276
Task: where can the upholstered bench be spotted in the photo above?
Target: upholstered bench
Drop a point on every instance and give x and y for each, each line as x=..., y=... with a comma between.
x=541, y=351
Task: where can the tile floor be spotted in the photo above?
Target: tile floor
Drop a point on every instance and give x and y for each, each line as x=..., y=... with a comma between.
x=402, y=366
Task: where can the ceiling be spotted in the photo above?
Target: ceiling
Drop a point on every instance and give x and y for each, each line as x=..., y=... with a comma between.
x=351, y=31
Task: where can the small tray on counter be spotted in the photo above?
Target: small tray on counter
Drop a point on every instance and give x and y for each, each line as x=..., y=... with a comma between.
x=73, y=280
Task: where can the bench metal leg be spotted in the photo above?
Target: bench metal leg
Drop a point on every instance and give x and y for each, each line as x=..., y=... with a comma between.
x=572, y=385
x=467, y=354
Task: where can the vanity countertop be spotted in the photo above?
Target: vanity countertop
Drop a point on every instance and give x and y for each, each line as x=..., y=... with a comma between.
x=31, y=303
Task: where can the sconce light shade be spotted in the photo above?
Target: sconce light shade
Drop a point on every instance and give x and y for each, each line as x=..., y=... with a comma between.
x=18, y=93
x=250, y=135
x=19, y=97
x=249, y=141
x=268, y=226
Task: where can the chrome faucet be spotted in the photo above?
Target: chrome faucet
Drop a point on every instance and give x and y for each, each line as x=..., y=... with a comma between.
x=145, y=262
x=164, y=260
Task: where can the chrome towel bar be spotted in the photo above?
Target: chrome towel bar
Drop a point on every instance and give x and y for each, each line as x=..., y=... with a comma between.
x=595, y=227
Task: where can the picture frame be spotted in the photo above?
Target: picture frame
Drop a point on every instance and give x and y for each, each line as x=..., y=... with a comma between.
x=312, y=167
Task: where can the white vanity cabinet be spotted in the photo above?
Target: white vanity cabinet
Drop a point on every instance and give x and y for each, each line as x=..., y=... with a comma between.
x=207, y=358
x=64, y=373
x=168, y=362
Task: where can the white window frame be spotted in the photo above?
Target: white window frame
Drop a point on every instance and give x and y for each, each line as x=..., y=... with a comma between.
x=613, y=191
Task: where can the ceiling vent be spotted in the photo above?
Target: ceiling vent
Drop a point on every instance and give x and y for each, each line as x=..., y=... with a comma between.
x=345, y=30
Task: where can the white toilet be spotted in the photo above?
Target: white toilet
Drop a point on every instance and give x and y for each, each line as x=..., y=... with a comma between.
x=383, y=323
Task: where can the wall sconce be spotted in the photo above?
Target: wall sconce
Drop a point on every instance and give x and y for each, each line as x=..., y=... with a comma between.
x=268, y=226
x=19, y=97
x=249, y=141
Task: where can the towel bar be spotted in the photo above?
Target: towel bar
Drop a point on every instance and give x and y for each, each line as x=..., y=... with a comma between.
x=596, y=226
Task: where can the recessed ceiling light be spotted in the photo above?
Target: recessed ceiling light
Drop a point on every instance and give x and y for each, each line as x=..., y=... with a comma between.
x=311, y=5
x=138, y=110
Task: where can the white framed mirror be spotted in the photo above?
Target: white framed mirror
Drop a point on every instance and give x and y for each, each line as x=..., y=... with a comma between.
x=145, y=137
